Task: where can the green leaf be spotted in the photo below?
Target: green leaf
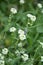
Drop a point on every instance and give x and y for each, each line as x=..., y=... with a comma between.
x=40, y=29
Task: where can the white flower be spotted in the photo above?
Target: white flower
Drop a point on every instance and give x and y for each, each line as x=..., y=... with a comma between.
x=17, y=52
x=22, y=1
x=39, y=5
x=2, y=62
x=22, y=37
x=29, y=15
x=25, y=57
x=12, y=29
x=41, y=58
x=20, y=31
x=32, y=17
x=13, y=10
x=20, y=44
x=1, y=57
x=5, y=51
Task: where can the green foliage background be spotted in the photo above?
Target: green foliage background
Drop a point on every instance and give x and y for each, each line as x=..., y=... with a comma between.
x=19, y=20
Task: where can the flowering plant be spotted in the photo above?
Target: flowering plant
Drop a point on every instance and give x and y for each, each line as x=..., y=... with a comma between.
x=21, y=32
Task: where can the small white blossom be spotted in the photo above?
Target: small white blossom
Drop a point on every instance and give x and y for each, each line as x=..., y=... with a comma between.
x=39, y=5
x=22, y=37
x=2, y=62
x=13, y=10
x=1, y=57
x=20, y=31
x=29, y=15
x=32, y=17
x=20, y=44
x=12, y=29
x=41, y=58
x=25, y=57
x=22, y=1
x=5, y=51
x=17, y=52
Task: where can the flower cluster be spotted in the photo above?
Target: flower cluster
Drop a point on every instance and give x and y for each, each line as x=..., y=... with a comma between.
x=32, y=17
x=12, y=29
x=21, y=32
x=25, y=57
x=2, y=62
x=22, y=35
x=13, y=10
x=4, y=52
x=39, y=5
